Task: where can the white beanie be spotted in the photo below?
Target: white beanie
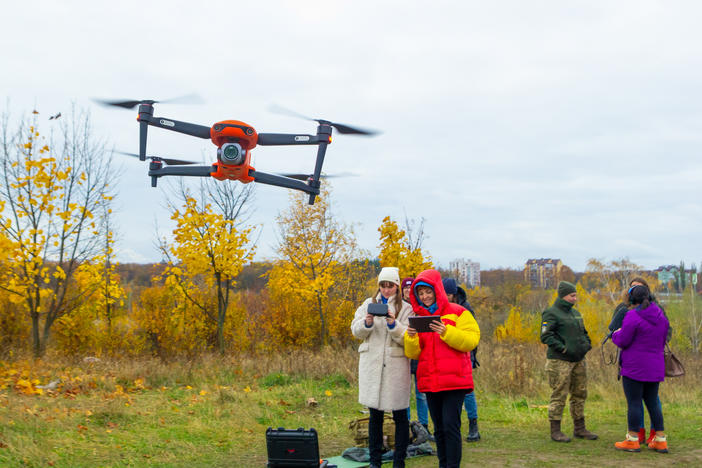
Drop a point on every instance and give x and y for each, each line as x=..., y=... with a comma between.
x=391, y=274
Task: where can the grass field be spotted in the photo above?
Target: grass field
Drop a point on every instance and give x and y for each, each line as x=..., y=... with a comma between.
x=214, y=412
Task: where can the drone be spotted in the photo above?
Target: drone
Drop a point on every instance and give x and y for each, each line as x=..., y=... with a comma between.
x=234, y=140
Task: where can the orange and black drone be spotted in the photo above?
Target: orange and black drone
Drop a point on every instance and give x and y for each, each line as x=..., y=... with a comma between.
x=234, y=140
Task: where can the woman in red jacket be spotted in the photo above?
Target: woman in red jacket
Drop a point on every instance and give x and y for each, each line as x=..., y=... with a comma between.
x=444, y=372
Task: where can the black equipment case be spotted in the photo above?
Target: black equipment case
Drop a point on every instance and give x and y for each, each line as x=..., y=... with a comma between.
x=288, y=448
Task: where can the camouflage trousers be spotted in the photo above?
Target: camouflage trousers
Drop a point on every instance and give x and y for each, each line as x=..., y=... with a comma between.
x=566, y=377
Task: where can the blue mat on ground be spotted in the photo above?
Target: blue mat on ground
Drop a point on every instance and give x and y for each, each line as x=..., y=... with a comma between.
x=342, y=462
x=362, y=453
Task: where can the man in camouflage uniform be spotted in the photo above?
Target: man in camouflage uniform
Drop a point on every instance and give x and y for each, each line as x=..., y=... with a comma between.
x=562, y=329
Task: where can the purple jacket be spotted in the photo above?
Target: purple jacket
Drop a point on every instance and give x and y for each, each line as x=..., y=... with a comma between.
x=642, y=340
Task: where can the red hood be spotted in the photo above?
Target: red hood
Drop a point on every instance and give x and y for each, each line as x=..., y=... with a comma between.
x=433, y=279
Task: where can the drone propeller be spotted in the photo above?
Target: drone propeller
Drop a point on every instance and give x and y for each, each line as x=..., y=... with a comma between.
x=131, y=104
x=170, y=162
x=306, y=177
x=341, y=128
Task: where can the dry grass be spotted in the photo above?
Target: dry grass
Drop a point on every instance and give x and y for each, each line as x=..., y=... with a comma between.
x=213, y=410
x=514, y=370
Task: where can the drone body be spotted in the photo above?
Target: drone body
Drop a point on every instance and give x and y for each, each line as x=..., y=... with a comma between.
x=234, y=141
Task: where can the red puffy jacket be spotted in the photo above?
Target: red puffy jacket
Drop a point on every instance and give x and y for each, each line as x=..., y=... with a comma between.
x=444, y=361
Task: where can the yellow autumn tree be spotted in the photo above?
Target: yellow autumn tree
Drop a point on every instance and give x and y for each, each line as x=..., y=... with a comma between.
x=208, y=252
x=50, y=191
x=94, y=327
x=518, y=328
x=596, y=311
x=317, y=282
x=396, y=249
x=14, y=326
x=170, y=325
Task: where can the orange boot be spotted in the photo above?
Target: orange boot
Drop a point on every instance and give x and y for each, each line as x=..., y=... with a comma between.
x=650, y=437
x=630, y=444
x=659, y=444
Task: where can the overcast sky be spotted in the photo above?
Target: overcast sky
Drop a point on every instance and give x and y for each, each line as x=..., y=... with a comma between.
x=517, y=129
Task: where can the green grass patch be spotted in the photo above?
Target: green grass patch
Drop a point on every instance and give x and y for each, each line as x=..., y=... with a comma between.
x=219, y=416
x=276, y=379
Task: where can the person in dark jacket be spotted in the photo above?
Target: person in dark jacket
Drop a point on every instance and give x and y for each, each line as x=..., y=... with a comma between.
x=642, y=339
x=563, y=330
x=617, y=319
x=457, y=295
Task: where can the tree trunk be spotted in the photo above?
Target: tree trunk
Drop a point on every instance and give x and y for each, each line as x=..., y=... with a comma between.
x=45, y=339
x=322, y=324
x=221, y=314
x=36, y=341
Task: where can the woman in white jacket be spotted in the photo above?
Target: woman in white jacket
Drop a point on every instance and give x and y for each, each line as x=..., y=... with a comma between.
x=383, y=369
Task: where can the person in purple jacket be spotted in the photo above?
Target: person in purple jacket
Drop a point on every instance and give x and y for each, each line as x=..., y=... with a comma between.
x=642, y=339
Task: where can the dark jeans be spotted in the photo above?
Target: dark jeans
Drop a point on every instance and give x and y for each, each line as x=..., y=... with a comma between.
x=635, y=391
x=640, y=410
x=375, y=436
x=445, y=410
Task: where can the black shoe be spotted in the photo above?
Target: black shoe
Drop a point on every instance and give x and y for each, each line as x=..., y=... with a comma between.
x=473, y=434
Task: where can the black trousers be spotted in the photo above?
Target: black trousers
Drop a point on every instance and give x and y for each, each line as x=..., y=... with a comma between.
x=635, y=391
x=445, y=410
x=375, y=436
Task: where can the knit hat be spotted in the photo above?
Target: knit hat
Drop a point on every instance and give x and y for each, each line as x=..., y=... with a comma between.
x=407, y=282
x=450, y=285
x=391, y=274
x=638, y=294
x=565, y=288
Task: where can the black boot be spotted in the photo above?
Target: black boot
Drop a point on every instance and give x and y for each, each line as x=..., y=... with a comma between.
x=431, y=436
x=473, y=434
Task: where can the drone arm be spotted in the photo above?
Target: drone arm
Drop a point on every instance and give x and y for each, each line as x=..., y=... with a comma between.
x=195, y=130
x=280, y=181
x=146, y=118
x=197, y=171
x=157, y=170
x=281, y=139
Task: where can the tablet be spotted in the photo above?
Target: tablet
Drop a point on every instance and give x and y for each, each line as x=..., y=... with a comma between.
x=421, y=323
x=379, y=310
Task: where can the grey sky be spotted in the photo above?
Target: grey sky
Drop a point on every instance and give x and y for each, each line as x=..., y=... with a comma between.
x=517, y=129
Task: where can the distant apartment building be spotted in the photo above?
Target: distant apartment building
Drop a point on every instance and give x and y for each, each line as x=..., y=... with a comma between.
x=542, y=272
x=466, y=271
x=666, y=274
x=670, y=275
